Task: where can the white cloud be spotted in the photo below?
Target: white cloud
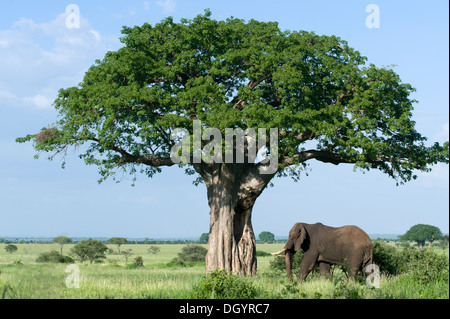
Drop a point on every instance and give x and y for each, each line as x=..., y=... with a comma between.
x=37, y=59
x=39, y=101
x=443, y=134
x=7, y=96
x=96, y=35
x=167, y=5
x=439, y=175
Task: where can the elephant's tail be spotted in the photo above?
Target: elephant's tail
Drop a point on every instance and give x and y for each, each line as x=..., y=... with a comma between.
x=367, y=260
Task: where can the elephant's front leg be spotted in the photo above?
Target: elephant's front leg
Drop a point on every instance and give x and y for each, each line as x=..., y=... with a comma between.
x=309, y=260
x=288, y=258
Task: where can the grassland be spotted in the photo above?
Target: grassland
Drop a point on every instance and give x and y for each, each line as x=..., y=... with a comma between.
x=22, y=277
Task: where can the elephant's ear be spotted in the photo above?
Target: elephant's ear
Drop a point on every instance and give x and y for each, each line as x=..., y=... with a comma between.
x=301, y=237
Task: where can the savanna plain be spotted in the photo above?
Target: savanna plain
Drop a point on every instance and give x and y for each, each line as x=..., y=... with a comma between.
x=157, y=276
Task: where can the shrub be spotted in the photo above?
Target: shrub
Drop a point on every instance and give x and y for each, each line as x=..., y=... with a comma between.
x=176, y=262
x=192, y=253
x=427, y=266
x=260, y=253
x=221, y=285
x=388, y=258
x=53, y=257
x=18, y=263
x=138, y=261
x=11, y=248
x=424, y=264
x=278, y=264
x=344, y=289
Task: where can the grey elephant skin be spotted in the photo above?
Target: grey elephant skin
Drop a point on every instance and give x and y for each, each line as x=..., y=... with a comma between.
x=347, y=245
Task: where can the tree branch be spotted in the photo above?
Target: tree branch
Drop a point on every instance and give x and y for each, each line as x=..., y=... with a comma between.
x=304, y=136
x=336, y=159
x=154, y=161
x=252, y=84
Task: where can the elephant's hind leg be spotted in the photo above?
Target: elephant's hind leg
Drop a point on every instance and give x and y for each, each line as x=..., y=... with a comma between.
x=324, y=268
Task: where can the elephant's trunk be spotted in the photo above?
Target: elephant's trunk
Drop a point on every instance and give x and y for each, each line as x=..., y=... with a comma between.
x=280, y=252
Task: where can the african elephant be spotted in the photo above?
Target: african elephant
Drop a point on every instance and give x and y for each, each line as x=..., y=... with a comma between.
x=346, y=245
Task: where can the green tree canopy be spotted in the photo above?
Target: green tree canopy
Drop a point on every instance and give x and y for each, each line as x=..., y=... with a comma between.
x=118, y=241
x=421, y=233
x=326, y=103
x=90, y=249
x=11, y=248
x=266, y=237
x=61, y=241
x=203, y=238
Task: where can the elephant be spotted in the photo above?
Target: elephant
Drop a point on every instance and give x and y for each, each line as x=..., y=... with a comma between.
x=347, y=245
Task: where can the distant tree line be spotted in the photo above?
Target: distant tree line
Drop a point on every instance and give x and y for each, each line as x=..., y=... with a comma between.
x=419, y=233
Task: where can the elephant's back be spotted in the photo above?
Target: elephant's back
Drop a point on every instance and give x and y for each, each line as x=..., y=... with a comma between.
x=354, y=234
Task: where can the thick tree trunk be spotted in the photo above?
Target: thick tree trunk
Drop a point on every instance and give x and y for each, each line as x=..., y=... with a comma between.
x=232, y=244
x=232, y=192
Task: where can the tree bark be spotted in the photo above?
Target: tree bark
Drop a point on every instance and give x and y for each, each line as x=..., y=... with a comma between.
x=232, y=191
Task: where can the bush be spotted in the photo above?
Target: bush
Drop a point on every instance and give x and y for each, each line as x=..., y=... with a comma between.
x=388, y=258
x=424, y=264
x=221, y=285
x=260, y=253
x=278, y=264
x=138, y=261
x=427, y=266
x=176, y=262
x=192, y=253
x=53, y=257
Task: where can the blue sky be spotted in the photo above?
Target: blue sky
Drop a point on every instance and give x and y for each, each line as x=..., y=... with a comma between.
x=39, y=55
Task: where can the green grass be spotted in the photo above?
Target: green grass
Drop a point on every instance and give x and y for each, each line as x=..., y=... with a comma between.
x=22, y=277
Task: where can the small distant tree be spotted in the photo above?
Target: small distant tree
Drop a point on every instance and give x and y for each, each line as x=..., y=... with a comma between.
x=90, y=249
x=421, y=233
x=118, y=241
x=61, y=241
x=204, y=238
x=153, y=250
x=11, y=248
x=266, y=237
x=127, y=253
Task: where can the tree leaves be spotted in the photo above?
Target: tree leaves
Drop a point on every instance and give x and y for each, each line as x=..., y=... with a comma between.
x=231, y=74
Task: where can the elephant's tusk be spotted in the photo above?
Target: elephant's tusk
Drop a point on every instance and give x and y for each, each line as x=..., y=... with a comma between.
x=280, y=252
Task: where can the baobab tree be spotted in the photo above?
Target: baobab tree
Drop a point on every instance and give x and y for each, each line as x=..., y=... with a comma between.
x=316, y=92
